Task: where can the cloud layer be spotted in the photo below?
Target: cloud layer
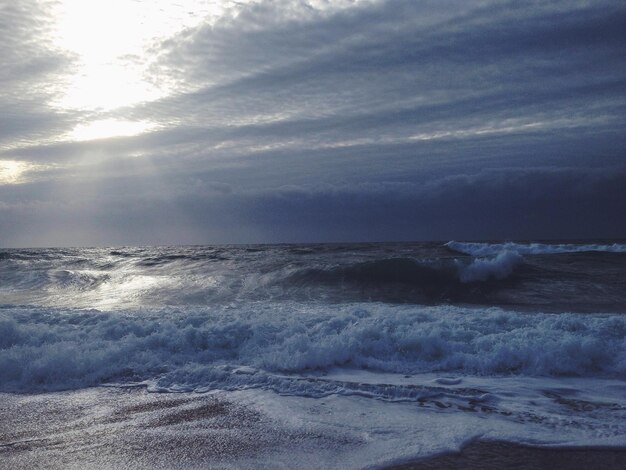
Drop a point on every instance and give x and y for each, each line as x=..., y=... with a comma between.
x=295, y=121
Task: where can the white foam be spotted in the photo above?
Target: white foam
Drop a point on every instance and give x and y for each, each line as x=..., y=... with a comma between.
x=57, y=349
x=527, y=410
x=267, y=430
x=482, y=269
x=490, y=249
x=380, y=383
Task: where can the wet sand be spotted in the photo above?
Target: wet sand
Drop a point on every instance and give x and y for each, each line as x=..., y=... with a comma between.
x=129, y=428
x=481, y=455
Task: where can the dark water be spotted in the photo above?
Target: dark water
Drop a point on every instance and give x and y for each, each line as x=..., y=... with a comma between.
x=583, y=277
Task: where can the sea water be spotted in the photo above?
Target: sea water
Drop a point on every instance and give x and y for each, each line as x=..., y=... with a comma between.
x=391, y=351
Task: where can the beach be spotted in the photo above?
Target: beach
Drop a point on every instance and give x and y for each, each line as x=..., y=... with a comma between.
x=130, y=428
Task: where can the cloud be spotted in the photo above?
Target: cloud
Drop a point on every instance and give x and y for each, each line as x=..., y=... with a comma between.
x=31, y=72
x=290, y=120
x=513, y=203
x=386, y=70
x=498, y=204
x=385, y=57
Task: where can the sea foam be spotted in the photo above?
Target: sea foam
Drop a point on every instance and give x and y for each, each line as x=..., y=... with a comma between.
x=490, y=249
x=49, y=349
x=482, y=269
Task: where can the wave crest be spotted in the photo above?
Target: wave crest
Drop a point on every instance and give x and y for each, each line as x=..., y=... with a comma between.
x=483, y=269
x=491, y=249
x=408, y=279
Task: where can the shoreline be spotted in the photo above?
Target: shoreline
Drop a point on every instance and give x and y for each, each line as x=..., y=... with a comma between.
x=110, y=427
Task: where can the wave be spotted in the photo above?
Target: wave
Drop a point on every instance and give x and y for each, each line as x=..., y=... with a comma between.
x=78, y=280
x=51, y=349
x=411, y=279
x=189, y=279
x=415, y=272
x=490, y=249
x=483, y=269
x=425, y=273
x=60, y=279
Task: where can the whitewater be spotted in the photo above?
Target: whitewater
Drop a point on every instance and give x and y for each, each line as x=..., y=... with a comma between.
x=383, y=353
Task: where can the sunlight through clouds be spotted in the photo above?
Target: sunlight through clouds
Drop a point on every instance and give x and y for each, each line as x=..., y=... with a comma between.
x=11, y=171
x=109, y=128
x=111, y=40
x=112, y=44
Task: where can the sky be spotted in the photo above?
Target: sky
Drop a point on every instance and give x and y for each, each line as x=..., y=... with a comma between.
x=128, y=122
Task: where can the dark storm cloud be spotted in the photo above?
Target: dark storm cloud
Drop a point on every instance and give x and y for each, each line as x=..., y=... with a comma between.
x=533, y=203
x=387, y=120
x=506, y=203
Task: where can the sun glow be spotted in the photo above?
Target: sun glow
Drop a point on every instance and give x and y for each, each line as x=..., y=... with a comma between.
x=111, y=42
x=11, y=171
x=107, y=128
x=115, y=48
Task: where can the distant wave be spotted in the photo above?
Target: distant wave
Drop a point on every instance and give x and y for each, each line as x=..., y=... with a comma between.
x=421, y=273
x=387, y=279
x=54, y=278
x=79, y=280
x=490, y=249
x=415, y=272
x=413, y=279
x=483, y=269
x=46, y=349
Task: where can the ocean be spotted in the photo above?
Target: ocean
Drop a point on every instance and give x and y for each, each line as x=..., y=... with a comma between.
x=308, y=356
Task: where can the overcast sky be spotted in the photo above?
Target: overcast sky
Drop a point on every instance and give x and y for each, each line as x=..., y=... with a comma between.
x=190, y=122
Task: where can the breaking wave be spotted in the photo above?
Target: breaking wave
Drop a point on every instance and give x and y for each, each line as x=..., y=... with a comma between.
x=490, y=249
x=409, y=279
x=181, y=280
x=416, y=272
x=505, y=274
x=51, y=349
x=483, y=269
